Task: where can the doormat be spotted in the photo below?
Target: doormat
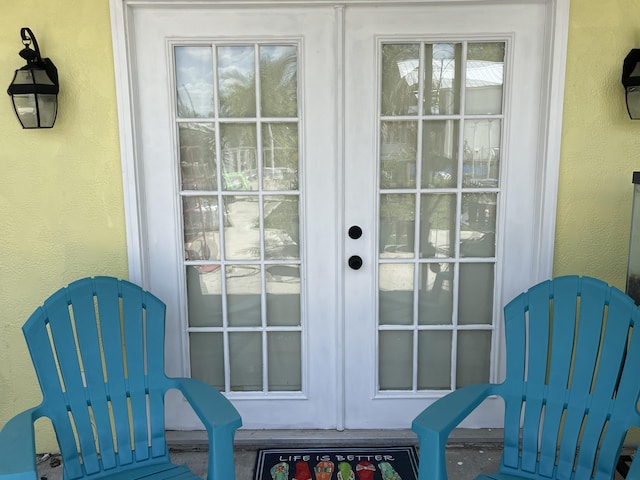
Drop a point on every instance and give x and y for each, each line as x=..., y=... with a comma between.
x=359, y=463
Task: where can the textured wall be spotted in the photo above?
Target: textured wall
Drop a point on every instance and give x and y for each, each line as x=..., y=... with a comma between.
x=61, y=201
x=600, y=146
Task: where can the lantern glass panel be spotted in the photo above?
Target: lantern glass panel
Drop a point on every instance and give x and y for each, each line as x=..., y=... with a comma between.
x=25, y=107
x=48, y=107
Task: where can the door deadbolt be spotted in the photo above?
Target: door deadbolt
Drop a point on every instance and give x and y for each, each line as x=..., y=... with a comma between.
x=355, y=232
x=355, y=262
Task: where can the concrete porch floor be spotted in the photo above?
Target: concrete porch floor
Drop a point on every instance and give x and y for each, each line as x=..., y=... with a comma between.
x=469, y=454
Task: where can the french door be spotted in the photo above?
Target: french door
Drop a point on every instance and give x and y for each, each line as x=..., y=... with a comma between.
x=334, y=201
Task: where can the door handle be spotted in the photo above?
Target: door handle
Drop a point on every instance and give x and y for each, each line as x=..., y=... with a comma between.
x=355, y=262
x=355, y=232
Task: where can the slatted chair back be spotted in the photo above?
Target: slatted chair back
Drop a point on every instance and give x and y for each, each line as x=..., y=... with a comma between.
x=571, y=398
x=98, y=351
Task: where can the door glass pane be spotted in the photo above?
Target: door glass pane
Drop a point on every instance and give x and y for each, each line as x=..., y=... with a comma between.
x=197, y=156
x=204, y=291
x=243, y=295
x=285, y=361
x=484, y=78
x=397, y=226
x=475, y=305
x=280, y=156
x=442, y=78
x=435, y=297
x=236, y=81
x=440, y=153
x=438, y=180
x=245, y=361
x=283, y=295
x=434, y=360
x=474, y=354
x=239, y=178
x=239, y=160
x=194, y=81
x=207, y=358
x=482, y=139
x=279, y=80
x=396, y=357
x=400, y=72
x=437, y=225
x=398, y=149
x=396, y=294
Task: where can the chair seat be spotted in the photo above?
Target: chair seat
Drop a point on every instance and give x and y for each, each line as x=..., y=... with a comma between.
x=160, y=471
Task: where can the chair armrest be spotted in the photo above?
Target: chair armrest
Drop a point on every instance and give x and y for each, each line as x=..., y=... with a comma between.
x=436, y=422
x=221, y=420
x=18, y=448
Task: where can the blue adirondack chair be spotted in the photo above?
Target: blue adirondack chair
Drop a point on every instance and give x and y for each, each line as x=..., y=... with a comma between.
x=570, y=392
x=98, y=351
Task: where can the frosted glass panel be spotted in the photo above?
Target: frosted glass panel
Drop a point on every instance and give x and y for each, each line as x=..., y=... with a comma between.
x=283, y=295
x=440, y=153
x=207, y=358
x=245, y=361
x=398, y=150
x=437, y=225
x=236, y=81
x=484, y=78
x=201, y=228
x=397, y=226
x=194, y=81
x=280, y=156
x=285, y=361
x=239, y=157
x=434, y=360
x=442, y=78
x=396, y=294
x=204, y=296
x=473, y=365
x=396, y=360
x=435, y=297
x=279, y=80
x=197, y=144
x=475, y=305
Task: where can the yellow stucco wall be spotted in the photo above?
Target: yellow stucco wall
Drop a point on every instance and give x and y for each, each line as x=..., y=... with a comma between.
x=600, y=146
x=61, y=204
x=61, y=200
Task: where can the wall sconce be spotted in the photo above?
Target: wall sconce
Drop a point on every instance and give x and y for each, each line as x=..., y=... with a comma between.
x=631, y=82
x=34, y=89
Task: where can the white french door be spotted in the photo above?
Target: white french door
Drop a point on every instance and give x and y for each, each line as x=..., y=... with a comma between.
x=335, y=201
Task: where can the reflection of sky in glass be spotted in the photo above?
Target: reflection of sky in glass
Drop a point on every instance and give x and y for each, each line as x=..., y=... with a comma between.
x=194, y=81
x=235, y=65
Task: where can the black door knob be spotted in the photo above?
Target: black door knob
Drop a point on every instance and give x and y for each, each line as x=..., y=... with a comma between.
x=355, y=262
x=355, y=232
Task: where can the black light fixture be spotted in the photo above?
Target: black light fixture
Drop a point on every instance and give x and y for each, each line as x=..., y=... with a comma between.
x=34, y=89
x=631, y=82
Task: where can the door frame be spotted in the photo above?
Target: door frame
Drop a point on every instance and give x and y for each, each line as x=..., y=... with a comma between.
x=549, y=142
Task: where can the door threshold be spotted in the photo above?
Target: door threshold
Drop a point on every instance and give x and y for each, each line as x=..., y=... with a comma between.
x=248, y=439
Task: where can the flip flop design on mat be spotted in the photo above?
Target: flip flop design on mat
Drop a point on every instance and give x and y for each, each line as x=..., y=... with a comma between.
x=345, y=472
x=388, y=472
x=302, y=471
x=280, y=471
x=365, y=470
x=324, y=470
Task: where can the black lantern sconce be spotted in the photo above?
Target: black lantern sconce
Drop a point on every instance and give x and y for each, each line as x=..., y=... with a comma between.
x=631, y=82
x=34, y=89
